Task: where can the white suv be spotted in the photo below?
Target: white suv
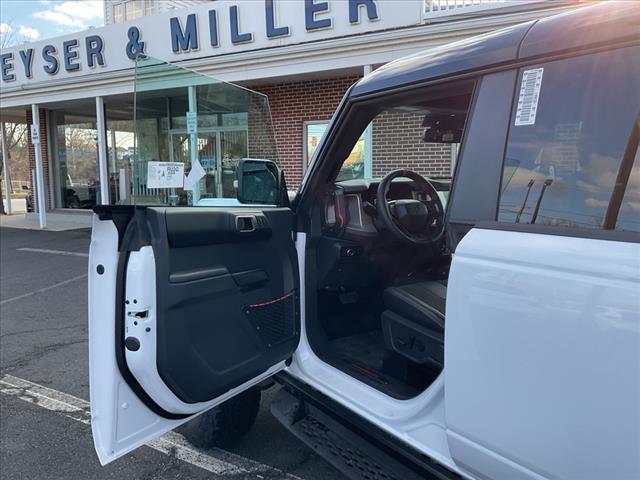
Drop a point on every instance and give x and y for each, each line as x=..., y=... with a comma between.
x=485, y=325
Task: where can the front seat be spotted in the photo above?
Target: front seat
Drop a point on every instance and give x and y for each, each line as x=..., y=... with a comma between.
x=413, y=322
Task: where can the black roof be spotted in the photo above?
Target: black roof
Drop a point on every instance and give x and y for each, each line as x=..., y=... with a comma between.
x=600, y=24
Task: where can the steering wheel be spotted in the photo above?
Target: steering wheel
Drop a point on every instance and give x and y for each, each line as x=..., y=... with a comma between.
x=411, y=220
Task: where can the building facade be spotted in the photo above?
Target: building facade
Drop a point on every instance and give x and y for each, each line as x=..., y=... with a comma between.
x=77, y=92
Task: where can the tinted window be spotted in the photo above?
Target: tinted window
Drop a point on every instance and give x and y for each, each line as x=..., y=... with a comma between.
x=572, y=161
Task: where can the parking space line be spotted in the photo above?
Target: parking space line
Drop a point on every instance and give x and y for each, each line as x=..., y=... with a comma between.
x=216, y=461
x=55, y=252
x=44, y=289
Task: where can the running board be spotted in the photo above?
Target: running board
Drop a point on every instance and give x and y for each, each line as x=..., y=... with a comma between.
x=354, y=453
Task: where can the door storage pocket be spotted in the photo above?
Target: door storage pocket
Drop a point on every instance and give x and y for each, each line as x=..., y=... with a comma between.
x=274, y=320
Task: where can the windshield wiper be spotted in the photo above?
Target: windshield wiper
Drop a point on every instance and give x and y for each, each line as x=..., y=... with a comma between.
x=526, y=199
x=622, y=179
x=547, y=182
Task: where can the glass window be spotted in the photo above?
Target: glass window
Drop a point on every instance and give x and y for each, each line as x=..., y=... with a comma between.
x=77, y=176
x=357, y=163
x=119, y=148
x=118, y=13
x=200, y=125
x=134, y=9
x=148, y=7
x=313, y=133
x=571, y=157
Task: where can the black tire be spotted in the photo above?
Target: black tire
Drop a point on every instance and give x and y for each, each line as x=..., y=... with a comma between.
x=225, y=424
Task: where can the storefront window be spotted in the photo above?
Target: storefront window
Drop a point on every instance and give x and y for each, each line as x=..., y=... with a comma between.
x=120, y=143
x=77, y=177
x=313, y=133
x=355, y=166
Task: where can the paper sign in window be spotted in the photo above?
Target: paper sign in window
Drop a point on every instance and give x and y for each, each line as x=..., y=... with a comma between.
x=165, y=174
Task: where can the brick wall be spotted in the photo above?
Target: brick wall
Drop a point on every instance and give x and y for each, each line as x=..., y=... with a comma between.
x=397, y=143
x=396, y=137
x=261, y=141
x=44, y=148
x=294, y=103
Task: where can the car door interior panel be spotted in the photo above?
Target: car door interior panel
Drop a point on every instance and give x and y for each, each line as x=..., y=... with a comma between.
x=226, y=294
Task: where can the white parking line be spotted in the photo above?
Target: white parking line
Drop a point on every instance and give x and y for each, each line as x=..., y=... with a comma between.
x=216, y=461
x=55, y=252
x=44, y=289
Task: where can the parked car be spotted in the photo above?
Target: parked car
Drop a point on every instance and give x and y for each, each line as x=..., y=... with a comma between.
x=483, y=326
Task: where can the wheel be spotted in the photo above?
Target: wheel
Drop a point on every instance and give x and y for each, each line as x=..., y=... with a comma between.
x=225, y=424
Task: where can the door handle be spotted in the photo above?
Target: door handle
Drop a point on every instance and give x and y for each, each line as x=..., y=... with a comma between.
x=246, y=224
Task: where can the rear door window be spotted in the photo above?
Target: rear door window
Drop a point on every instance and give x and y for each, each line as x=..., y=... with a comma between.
x=572, y=150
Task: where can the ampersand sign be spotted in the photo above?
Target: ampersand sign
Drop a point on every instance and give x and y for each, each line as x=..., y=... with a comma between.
x=135, y=48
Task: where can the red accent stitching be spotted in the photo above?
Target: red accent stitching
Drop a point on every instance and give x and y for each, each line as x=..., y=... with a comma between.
x=275, y=300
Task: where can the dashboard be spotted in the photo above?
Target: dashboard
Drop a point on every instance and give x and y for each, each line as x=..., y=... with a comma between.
x=351, y=207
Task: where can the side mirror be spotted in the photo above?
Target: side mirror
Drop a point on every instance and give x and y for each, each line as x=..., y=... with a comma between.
x=260, y=182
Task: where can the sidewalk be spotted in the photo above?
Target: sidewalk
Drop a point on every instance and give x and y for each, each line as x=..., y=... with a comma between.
x=56, y=222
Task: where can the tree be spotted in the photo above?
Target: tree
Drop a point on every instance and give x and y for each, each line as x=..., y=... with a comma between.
x=6, y=39
x=17, y=149
x=15, y=133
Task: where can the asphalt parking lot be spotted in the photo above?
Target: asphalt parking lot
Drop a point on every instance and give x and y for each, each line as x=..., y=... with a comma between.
x=44, y=389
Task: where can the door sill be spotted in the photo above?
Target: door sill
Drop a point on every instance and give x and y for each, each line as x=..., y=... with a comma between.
x=357, y=448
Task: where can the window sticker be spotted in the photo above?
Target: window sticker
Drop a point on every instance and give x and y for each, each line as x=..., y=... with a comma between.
x=165, y=174
x=528, y=98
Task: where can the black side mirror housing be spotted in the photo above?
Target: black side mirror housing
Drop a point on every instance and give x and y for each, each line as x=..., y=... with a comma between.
x=261, y=182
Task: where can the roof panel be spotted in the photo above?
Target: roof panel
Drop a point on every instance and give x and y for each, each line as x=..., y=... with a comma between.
x=488, y=49
x=600, y=24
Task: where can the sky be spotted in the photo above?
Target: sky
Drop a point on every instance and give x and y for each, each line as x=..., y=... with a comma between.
x=31, y=20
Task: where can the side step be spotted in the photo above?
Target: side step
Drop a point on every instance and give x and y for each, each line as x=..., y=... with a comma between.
x=353, y=452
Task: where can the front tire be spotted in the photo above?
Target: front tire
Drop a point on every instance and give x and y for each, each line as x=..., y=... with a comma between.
x=225, y=424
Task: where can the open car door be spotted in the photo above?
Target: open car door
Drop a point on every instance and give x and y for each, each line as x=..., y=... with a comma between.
x=193, y=303
x=187, y=308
